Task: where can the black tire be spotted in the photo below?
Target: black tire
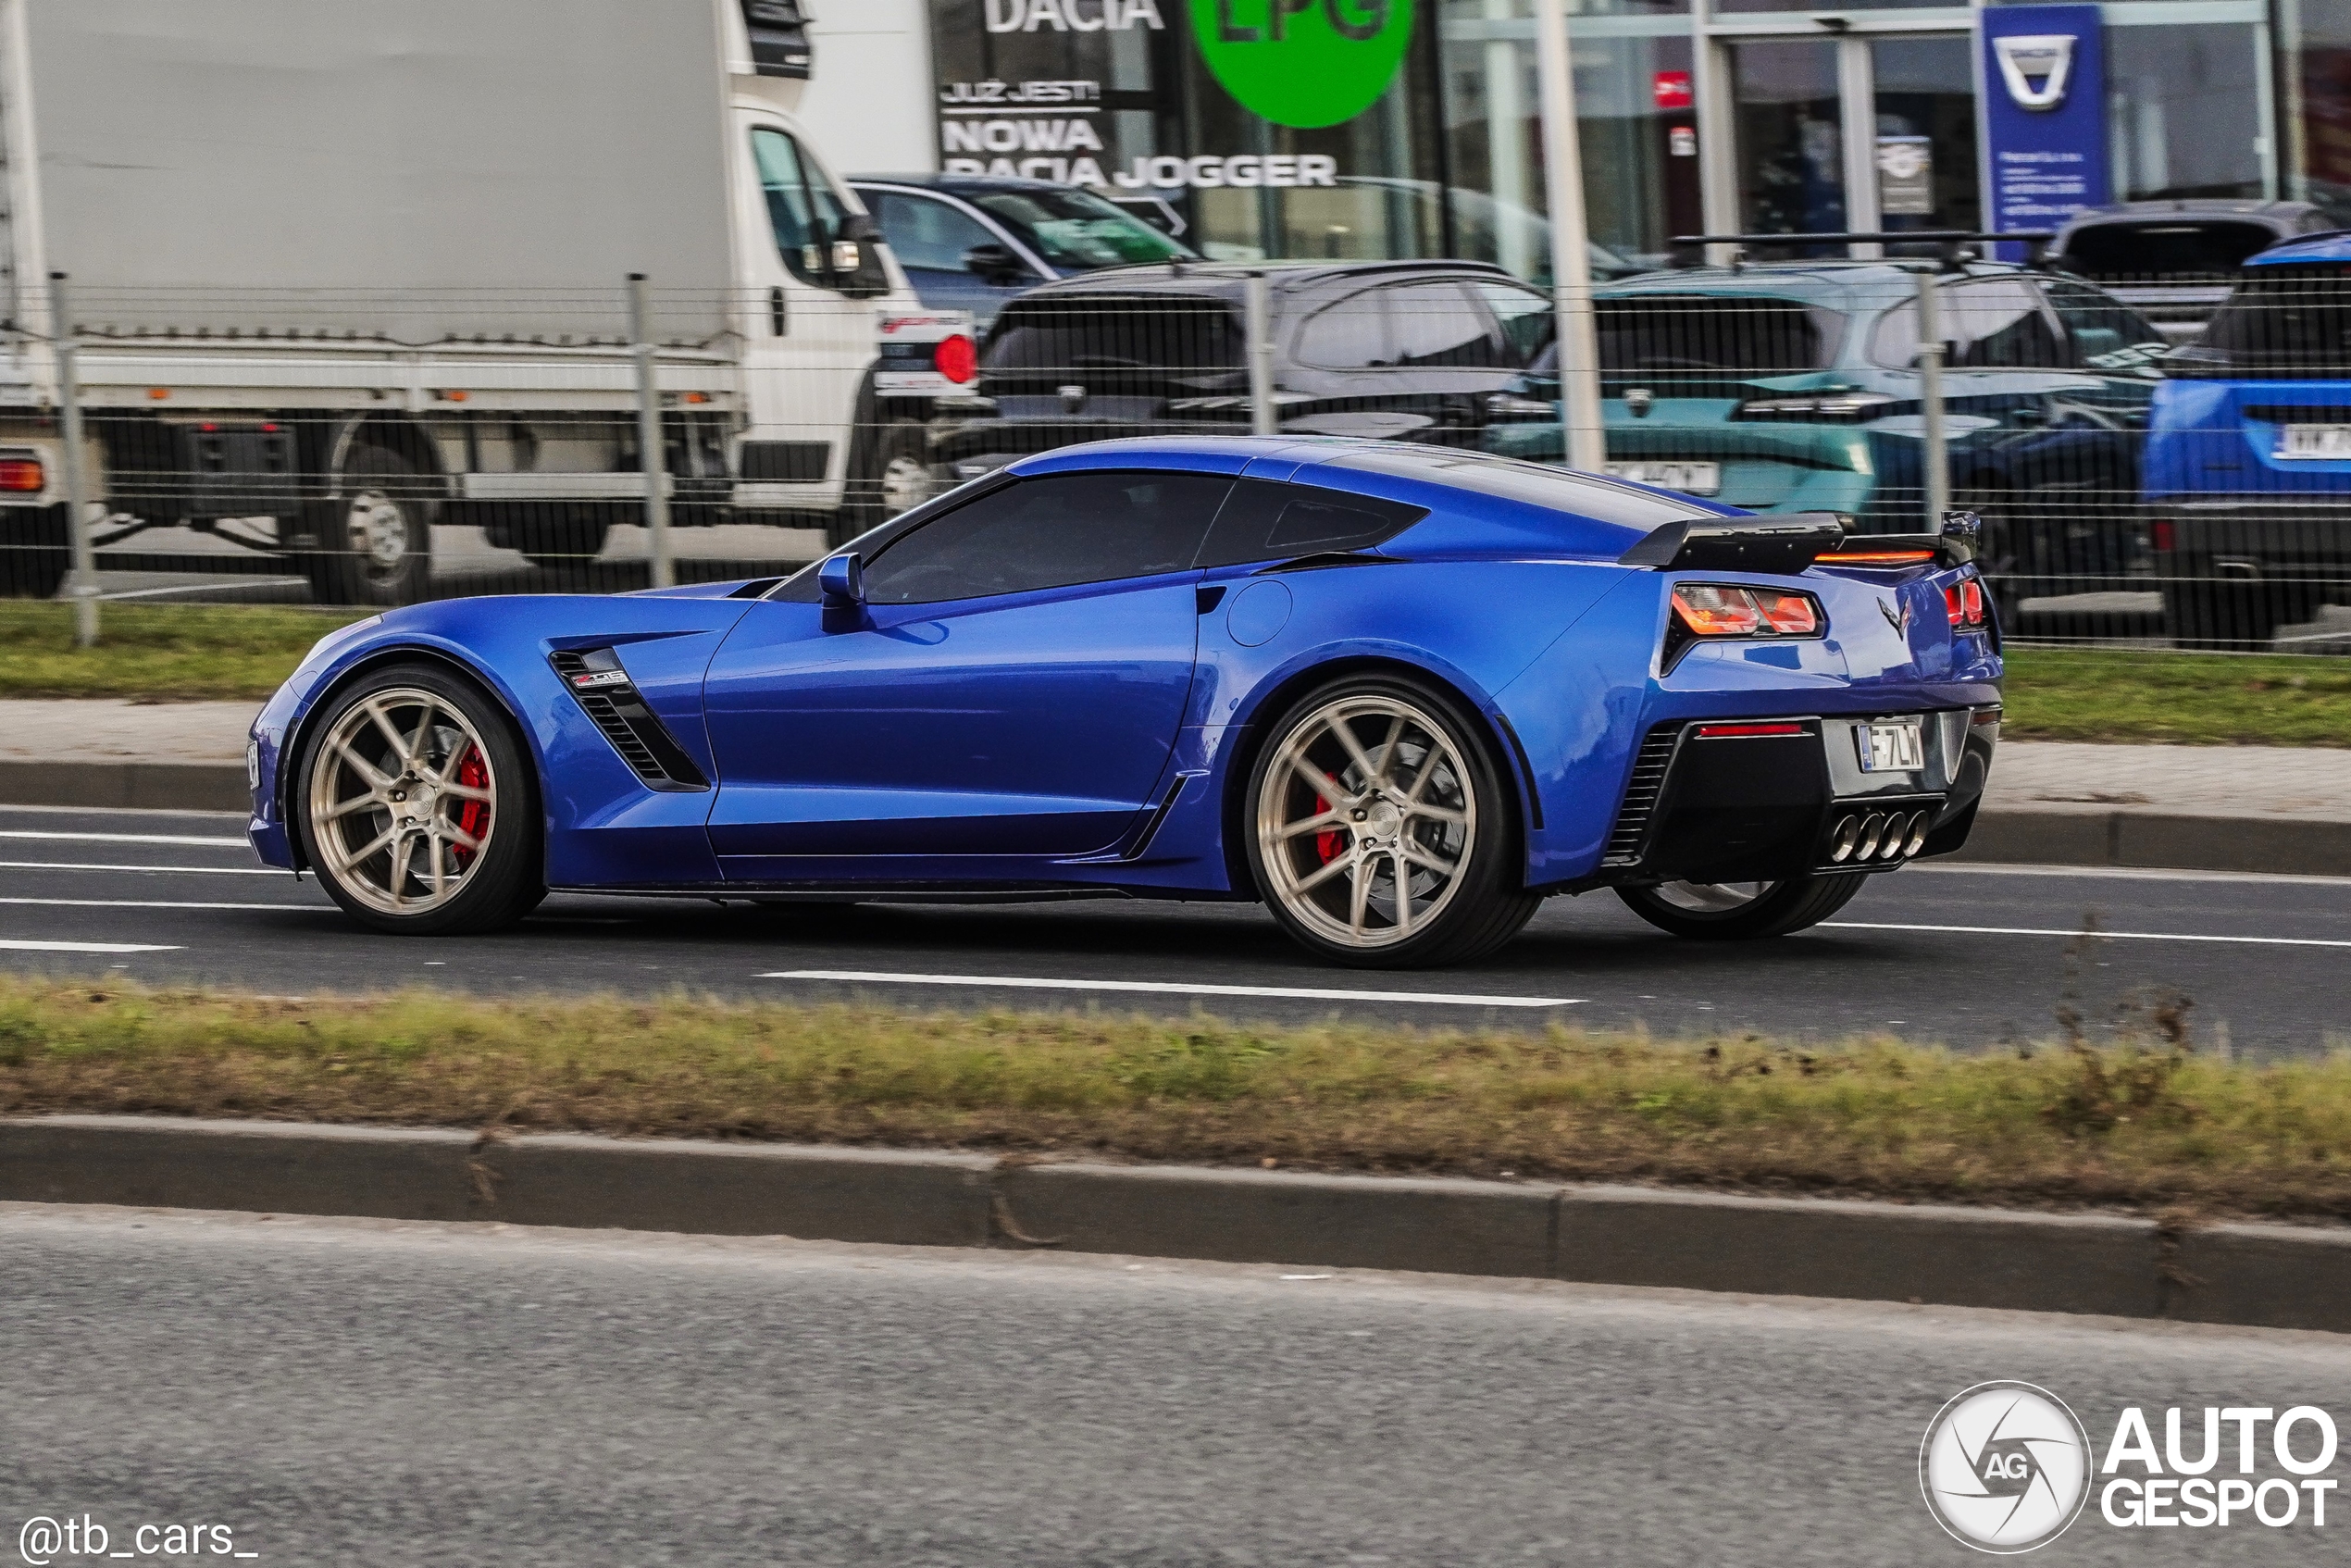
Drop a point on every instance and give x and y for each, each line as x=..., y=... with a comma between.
x=890, y=473
x=375, y=539
x=36, y=550
x=1471, y=910
x=563, y=545
x=1777, y=910
x=506, y=881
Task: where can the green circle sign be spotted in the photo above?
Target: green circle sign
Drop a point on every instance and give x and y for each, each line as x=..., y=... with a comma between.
x=1304, y=63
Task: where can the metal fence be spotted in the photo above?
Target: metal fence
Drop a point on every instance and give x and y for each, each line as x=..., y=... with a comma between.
x=2145, y=481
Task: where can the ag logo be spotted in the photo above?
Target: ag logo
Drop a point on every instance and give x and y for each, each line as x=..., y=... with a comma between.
x=1303, y=63
x=2005, y=1467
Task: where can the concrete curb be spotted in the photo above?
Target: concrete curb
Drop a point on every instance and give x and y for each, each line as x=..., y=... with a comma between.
x=2275, y=1277
x=139, y=786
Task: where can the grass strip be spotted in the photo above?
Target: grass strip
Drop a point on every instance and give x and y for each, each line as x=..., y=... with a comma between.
x=2144, y=1123
x=160, y=652
x=2186, y=699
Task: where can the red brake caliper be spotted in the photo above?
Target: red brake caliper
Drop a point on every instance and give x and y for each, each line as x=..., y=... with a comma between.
x=474, y=774
x=1330, y=841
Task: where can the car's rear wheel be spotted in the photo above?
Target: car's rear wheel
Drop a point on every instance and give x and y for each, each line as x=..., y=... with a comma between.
x=1379, y=832
x=1733, y=911
x=416, y=807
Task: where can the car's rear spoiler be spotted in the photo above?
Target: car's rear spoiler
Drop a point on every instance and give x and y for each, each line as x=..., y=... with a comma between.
x=1793, y=541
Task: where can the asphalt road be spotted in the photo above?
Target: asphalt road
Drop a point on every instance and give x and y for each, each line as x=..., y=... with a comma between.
x=354, y=1392
x=1969, y=956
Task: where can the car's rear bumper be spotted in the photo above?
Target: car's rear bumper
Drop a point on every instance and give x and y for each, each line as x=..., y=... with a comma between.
x=2251, y=535
x=1734, y=807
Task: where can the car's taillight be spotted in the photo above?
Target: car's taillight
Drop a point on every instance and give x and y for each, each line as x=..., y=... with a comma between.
x=22, y=474
x=1719, y=610
x=2159, y=535
x=956, y=360
x=1964, y=601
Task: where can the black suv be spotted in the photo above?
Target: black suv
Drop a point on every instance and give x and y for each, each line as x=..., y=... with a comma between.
x=1420, y=351
x=2173, y=261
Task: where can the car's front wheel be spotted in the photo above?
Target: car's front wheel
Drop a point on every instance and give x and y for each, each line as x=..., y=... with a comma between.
x=1731, y=910
x=1379, y=832
x=417, y=806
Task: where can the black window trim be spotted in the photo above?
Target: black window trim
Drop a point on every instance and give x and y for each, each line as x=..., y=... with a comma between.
x=967, y=209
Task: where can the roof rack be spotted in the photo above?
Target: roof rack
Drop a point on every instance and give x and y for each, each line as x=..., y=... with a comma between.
x=1946, y=240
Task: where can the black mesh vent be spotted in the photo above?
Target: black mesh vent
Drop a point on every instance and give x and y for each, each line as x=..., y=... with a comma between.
x=633, y=731
x=1640, y=795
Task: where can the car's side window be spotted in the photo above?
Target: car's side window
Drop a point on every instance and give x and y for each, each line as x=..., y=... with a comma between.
x=1991, y=324
x=1268, y=521
x=927, y=232
x=1348, y=334
x=1523, y=316
x=1056, y=532
x=1435, y=327
x=2103, y=334
x=805, y=211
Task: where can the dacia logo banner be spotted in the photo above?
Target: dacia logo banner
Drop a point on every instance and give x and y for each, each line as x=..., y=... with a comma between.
x=1304, y=63
x=2034, y=67
x=2044, y=103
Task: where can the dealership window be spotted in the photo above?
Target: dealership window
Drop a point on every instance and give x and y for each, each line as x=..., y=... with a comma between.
x=2183, y=111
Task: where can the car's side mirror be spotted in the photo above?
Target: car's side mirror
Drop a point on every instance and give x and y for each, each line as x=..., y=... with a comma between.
x=994, y=263
x=842, y=579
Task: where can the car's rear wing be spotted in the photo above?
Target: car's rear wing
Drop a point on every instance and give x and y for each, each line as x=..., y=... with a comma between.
x=1793, y=541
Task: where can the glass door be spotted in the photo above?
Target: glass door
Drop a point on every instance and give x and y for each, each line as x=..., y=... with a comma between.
x=1923, y=118
x=1789, y=134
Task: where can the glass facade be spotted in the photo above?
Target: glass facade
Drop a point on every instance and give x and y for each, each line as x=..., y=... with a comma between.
x=1738, y=115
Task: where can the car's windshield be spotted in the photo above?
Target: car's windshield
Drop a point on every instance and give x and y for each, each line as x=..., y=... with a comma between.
x=2167, y=252
x=2287, y=322
x=1077, y=231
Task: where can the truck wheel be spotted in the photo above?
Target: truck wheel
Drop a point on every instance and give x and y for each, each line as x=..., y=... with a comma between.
x=375, y=543
x=1734, y=911
x=892, y=476
x=562, y=544
x=35, y=550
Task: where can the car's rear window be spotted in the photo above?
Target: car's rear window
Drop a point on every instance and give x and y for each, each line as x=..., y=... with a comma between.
x=1119, y=333
x=2292, y=321
x=2170, y=251
x=1709, y=334
x=1534, y=483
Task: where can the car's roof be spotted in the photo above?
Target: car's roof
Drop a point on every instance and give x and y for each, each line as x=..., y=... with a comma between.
x=959, y=184
x=2279, y=214
x=1837, y=284
x=2332, y=245
x=1227, y=279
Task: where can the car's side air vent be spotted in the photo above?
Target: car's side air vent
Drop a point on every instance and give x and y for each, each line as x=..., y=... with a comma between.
x=755, y=587
x=1640, y=795
x=604, y=692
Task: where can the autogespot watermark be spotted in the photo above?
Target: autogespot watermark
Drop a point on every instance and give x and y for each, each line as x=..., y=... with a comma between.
x=42, y=1541
x=2007, y=1467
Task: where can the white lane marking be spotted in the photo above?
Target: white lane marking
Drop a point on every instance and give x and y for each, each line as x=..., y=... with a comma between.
x=190, y=870
x=2058, y=931
x=208, y=588
x=182, y=839
x=155, y=904
x=13, y=946
x=2129, y=874
x=1304, y=993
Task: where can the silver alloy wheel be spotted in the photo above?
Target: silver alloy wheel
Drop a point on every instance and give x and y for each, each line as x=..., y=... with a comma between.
x=1713, y=898
x=376, y=529
x=1366, y=820
x=905, y=484
x=398, y=772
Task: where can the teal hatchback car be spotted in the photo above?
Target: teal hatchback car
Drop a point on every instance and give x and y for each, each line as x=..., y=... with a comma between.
x=1794, y=388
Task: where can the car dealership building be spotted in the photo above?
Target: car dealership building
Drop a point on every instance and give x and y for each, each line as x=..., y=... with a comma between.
x=1331, y=128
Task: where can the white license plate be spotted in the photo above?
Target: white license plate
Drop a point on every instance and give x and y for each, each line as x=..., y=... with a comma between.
x=2315, y=440
x=1690, y=478
x=1893, y=745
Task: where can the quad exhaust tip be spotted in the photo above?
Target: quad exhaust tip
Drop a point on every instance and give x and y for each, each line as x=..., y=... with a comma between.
x=1880, y=836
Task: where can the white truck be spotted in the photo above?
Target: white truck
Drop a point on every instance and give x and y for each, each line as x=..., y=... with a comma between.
x=339, y=270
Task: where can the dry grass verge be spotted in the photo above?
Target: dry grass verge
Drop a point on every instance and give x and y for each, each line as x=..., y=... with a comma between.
x=2143, y=1125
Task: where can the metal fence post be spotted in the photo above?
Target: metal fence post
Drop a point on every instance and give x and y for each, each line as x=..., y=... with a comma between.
x=81, y=587
x=1260, y=329
x=1584, y=441
x=1934, y=453
x=652, y=457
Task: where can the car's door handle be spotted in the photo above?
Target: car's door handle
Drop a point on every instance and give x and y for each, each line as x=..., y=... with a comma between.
x=778, y=323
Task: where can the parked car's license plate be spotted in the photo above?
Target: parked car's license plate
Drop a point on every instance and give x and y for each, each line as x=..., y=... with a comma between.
x=2315, y=440
x=1891, y=745
x=1690, y=478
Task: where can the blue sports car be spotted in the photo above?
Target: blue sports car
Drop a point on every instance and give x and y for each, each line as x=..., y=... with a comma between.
x=1398, y=694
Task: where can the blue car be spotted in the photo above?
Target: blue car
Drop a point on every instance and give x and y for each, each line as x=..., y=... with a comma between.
x=1398, y=694
x=2248, y=457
